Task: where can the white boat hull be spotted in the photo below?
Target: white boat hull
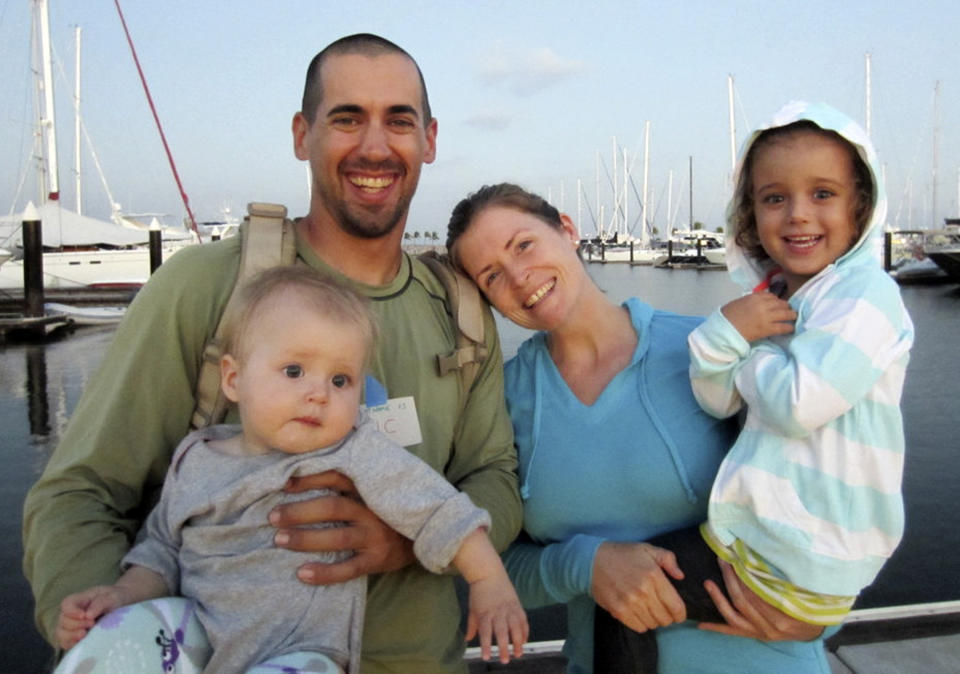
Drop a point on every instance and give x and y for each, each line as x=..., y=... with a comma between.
x=85, y=315
x=715, y=255
x=93, y=268
x=943, y=247
x=638, y=255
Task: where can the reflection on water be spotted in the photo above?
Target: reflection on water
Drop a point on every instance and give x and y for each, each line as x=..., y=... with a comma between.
x=39, y=387
x=37, y=405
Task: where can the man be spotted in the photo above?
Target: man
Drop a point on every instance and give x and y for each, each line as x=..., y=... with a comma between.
x=366, y=129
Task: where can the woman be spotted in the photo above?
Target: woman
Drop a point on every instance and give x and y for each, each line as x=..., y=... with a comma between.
x=613, y=448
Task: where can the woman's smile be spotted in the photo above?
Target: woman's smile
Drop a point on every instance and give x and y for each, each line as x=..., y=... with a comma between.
x=540, y=294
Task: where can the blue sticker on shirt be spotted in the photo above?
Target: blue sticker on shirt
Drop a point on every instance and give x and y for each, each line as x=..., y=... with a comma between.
x=375, y=394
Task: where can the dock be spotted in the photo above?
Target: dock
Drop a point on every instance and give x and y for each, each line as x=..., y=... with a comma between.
x=684, y=262
x=15, y=324
x=921, y=639
x=929, y=655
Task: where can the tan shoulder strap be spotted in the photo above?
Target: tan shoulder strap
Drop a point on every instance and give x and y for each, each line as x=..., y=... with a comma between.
x=269, y=240
x=466, y=307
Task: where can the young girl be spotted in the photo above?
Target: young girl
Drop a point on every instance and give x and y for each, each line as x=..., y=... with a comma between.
x=296, y=352
x=806, y=507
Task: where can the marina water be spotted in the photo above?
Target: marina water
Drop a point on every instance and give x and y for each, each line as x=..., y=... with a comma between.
x=40, y=385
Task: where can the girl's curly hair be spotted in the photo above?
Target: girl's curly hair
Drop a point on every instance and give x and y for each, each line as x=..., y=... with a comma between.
x=742, y=217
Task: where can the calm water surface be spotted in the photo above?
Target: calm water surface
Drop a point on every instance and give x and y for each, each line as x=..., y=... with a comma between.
x=40, y=385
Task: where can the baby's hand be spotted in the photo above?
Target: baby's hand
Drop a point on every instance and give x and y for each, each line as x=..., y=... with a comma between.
x=760, y=315
x=79, y=612
x=495, y=612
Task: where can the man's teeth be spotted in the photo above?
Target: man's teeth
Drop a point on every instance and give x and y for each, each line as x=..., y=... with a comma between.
x=372, y=183
x=537, y=296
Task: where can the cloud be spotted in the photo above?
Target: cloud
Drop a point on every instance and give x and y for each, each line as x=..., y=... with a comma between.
x=489, y=120
x=525, y=72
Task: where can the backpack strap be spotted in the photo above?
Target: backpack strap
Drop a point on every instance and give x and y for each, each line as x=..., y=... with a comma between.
x=466, y=308
x=269, y=240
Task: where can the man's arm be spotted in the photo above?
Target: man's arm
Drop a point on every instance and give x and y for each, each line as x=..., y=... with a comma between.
x=84, y=511
x=484, y=460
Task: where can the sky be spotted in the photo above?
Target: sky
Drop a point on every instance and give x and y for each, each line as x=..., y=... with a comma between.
x=534, y=92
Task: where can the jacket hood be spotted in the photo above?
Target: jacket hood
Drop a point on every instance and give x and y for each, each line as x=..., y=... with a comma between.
x=747, y=271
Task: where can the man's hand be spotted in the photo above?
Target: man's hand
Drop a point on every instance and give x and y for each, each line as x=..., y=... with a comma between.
x=378, y=548
x=760, y=315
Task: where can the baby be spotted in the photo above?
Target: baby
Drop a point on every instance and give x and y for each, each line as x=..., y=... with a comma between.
x=296, y=350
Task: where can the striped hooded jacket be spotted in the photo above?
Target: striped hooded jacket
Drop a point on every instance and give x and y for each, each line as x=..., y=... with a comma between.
x=812, y=483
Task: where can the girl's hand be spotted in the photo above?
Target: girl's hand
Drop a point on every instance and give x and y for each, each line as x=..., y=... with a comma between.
x=630, y=582
x=750, y=616
x=760, y=315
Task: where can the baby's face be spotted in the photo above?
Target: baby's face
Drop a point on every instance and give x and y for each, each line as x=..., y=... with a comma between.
x=804, y=196
x=299, y=382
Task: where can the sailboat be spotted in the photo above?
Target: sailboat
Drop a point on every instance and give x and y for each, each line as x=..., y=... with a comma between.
x=79, y=251
x=618, y=244
x=943, y=245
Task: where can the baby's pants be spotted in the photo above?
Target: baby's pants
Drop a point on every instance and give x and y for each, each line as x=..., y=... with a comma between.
x=165, y=636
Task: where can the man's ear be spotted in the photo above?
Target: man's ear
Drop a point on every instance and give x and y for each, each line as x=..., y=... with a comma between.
x=229, y=371
x=430, y=151
x=300, y=127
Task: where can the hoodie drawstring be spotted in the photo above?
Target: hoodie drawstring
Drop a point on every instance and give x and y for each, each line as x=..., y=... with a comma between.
x=665, y=436
x=535, y=431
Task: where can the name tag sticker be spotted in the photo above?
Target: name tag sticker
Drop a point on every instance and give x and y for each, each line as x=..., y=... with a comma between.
x=398, y=420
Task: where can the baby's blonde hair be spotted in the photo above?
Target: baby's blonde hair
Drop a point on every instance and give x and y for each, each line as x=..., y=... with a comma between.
x=327, y=296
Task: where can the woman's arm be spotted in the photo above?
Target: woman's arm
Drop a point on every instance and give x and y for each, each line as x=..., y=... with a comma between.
x=551, y=574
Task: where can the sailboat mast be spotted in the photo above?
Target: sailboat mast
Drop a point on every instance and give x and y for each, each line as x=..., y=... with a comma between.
x=669, y=202
x=868, y=115
x=626, y=198
x=936, y=142
x=579, y=210
x=599, y=212
x=644, y=238
x=733, y=128
x=47, y=124
x=616, y=187
x=76, y=122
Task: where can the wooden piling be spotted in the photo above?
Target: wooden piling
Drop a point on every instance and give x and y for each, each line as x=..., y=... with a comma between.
x=156, y=249
x=32, y=263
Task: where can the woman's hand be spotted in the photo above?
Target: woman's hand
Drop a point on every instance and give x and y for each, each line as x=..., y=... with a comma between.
x=750, y=616
x=378, y=548
x=630, y=583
